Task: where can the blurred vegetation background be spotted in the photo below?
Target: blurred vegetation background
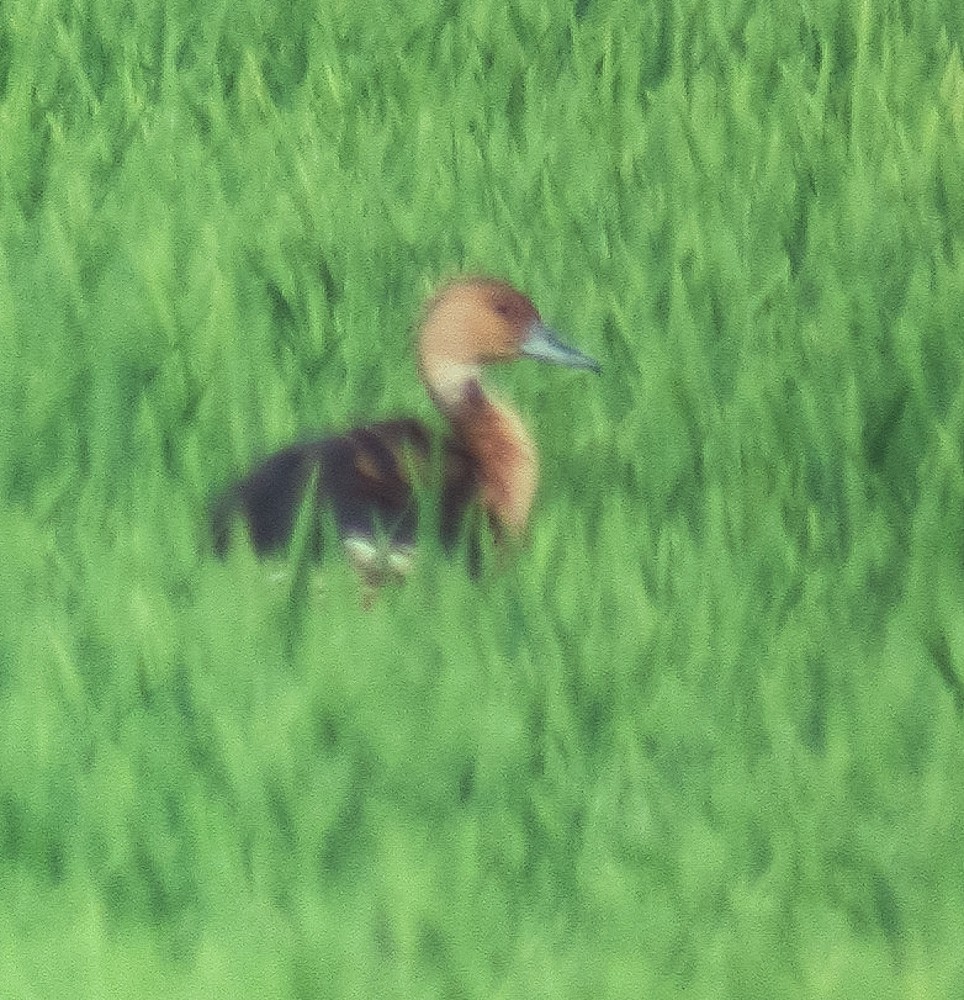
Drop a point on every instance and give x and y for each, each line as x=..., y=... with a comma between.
x=703, y=735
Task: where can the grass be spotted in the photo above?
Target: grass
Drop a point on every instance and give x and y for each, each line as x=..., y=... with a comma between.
x=703, y=736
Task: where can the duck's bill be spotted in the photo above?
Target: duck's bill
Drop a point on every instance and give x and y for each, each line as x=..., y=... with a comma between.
x=544, y=344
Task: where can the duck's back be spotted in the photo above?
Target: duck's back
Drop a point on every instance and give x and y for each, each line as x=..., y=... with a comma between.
x=364, y=476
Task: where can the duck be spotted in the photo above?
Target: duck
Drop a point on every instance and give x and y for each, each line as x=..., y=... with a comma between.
x=374, y=478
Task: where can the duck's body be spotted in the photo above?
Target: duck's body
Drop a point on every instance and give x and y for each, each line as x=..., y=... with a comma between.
x=370, y=477
x=365, y=477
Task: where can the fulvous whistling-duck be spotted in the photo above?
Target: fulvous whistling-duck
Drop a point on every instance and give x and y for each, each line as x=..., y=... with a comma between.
x=370, y=477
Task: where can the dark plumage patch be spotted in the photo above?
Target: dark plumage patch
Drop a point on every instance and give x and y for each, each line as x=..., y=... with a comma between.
x=365, y=477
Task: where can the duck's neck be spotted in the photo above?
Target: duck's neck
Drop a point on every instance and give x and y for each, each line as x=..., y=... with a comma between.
x=497, y=439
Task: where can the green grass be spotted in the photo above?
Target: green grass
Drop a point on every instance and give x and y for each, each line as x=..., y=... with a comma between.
x=703, y=735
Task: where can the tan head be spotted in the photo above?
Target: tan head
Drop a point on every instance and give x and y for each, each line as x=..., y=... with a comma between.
x=476, y=321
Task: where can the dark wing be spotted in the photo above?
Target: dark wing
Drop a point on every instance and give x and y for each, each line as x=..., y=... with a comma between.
x=363, y=475
x=366, y=477
x=268, y=498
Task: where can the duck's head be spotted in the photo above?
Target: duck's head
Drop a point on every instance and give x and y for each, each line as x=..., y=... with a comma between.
x=472, y=322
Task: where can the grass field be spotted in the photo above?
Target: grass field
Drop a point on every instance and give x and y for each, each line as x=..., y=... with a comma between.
x=703, y=735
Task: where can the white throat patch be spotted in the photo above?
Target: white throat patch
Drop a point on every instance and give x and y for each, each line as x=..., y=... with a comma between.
x=448, y=381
